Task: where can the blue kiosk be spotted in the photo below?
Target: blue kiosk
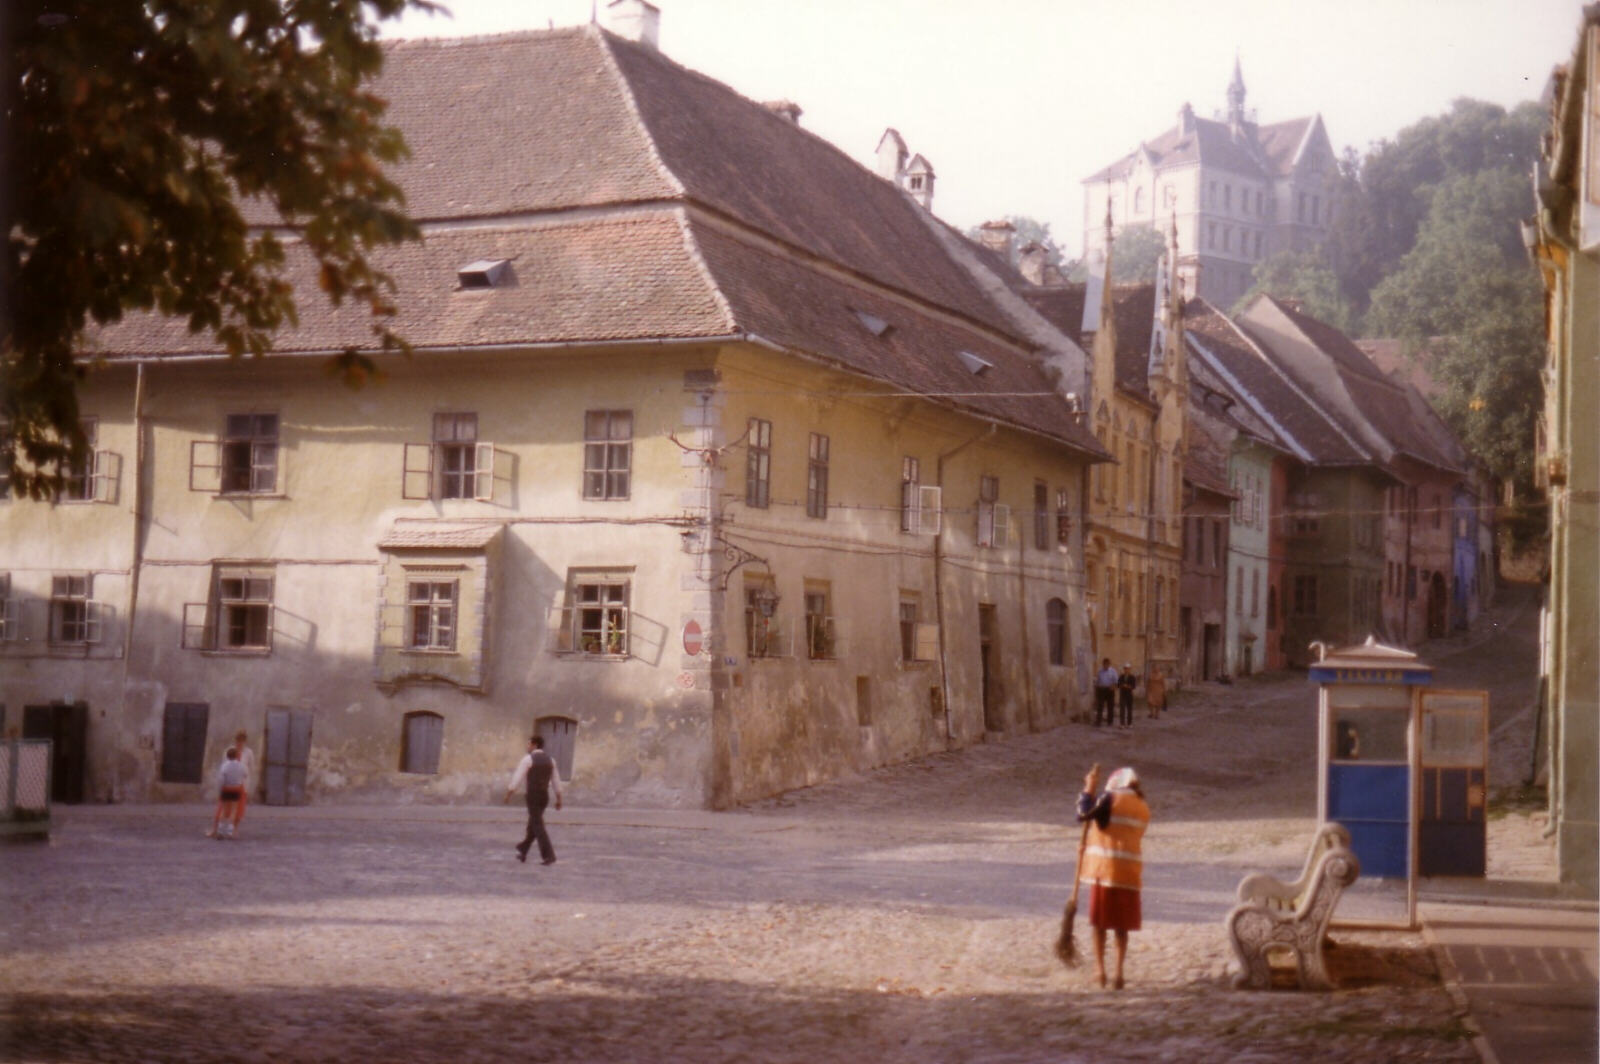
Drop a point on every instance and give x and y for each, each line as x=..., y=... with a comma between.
x=1368, y=706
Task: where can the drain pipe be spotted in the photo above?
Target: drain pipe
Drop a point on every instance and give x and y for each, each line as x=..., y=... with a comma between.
x=938, y=576
x=136, y=561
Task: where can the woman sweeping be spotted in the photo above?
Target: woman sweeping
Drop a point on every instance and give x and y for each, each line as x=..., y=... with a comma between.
x=1111, y=861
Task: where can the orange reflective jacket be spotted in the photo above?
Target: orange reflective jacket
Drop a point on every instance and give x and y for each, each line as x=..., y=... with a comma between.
x=1111, y=856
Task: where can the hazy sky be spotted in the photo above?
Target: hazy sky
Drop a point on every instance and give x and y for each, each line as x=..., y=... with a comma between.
x=1014, y=102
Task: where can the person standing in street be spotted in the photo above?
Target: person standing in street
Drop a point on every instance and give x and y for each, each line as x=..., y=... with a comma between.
x=247, y=758
x=1155, y=692
x=1105, y=691
x=1125, y=687
x=538, y=769
x=230, y=790
x=1112, y=862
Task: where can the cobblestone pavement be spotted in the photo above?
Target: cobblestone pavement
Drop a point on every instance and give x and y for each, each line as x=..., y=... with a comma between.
x=906, y=915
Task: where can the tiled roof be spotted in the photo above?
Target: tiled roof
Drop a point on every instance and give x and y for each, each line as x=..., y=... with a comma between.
x=1302, y=427
x=1134, y=308
x=428, y=537
x=1261, y=152
x=797, y=307
x=737, y=157
x=1382, y=402
x=626, y=276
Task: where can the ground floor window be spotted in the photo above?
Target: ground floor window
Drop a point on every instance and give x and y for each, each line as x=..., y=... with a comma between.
x=421, y=738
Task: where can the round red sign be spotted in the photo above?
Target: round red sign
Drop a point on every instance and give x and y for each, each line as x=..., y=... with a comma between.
x=693, y=642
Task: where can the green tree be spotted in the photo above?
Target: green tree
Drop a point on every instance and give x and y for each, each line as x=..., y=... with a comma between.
x=1384, y=196
x=1466, y=296
x=146, y=144
x=1308, y=278
x=1135, y=254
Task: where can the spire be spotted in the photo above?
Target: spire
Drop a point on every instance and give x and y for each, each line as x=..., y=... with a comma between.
x=1107, y=306
x=1236, y=94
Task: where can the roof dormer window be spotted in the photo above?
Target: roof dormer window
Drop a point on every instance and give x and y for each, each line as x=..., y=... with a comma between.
x=485, y=273
x=975, y=365
x=873, y=324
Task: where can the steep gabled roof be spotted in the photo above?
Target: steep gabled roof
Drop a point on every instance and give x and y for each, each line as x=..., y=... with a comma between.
x=1282, y=142
x=1380, y=401
x=1259, y=151
x=637, y=200
x=1300, y=426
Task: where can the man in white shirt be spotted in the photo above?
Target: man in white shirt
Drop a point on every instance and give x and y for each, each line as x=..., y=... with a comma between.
x=539, y=770
x=1105, y=693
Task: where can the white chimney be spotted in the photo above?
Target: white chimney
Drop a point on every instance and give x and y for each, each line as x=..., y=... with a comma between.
x=637, y=20
x=891, y=156
x=919, y=179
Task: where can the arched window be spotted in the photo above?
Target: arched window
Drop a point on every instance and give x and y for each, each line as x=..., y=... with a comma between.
x=1055, y=625
x=421, y=738
x=1138, y=201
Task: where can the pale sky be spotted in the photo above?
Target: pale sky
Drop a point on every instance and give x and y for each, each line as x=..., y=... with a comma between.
x=1015, y=102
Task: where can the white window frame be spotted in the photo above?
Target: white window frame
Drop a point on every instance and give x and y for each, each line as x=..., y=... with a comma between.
x=910, y=495
x=607, y=456
x=436, y=620
x=614, y=628
x=817, y=459
x=87, y=625
x=763, y=634
x=758, y=464
x=822, y=630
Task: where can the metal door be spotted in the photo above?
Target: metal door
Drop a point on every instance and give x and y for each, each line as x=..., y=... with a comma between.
x=1369, y=774
x=287, y=750
x=67, y=728
x=1452, y=835
x=560, y=741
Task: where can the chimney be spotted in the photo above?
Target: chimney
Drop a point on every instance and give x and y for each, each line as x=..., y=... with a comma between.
x=1185, y=118
x=786, y=109
x=919, y=181
x=637, y=20
x=999, y=237
x=891, y=156
x=1031, y=261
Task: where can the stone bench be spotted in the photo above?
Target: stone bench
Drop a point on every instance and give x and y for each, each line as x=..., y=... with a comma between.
x=1274, y=893
x=1265, y=925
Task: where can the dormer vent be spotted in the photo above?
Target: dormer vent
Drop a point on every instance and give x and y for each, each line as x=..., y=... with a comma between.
x=485, y=273
x=873, y=324
x=975, y=365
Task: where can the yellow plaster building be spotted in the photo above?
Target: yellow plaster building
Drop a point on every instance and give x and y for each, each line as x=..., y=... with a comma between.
x=726, y=487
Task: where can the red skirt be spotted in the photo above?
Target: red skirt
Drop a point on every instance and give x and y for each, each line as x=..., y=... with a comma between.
x=1113, y=908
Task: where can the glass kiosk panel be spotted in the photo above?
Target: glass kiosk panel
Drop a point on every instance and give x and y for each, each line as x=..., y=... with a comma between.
x=1452, y=837
x=1369, y=773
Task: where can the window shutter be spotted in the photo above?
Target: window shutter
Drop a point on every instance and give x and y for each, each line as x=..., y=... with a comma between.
x=558, y=626
x=416, y=478
x=106, y=481
x=483, y=472
x=197, y=630
x=930, y=512
x=205, y=465
x=927, y=642
x=1002, y=524
x=96, y=617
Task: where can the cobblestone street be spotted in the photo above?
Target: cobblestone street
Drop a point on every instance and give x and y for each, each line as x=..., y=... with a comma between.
x=903, y=916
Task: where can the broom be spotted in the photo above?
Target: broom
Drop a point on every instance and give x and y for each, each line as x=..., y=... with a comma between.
x=1066, y=945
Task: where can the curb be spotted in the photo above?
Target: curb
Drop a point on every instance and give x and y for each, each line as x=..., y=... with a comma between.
x=1452, y=985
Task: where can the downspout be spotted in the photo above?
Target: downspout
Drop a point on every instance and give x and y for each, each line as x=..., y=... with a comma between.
x=938, y=577
x=1150, y=537
x=1409, y=578
x=1022, y=613
x=136, y=562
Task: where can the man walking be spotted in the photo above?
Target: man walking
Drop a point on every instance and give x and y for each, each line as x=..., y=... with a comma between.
x=1105, y=693
x=539, y=770
x=1126, y=683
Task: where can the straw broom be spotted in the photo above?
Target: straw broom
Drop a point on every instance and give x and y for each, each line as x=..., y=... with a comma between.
x=1066, y=945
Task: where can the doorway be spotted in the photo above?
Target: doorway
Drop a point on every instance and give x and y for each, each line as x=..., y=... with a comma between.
x=287, y=750
x=993, y=719
x=66, y=725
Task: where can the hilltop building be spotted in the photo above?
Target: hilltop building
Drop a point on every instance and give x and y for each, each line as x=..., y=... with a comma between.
x=1240, y=192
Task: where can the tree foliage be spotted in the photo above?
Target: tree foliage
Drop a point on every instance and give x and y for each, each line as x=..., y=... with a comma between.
x=1466, y=295
x=1135, y=254
x=147, y=144
x=1384, y=197
x=1308, y=278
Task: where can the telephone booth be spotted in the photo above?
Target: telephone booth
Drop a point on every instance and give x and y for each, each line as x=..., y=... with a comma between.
x=1367, y=752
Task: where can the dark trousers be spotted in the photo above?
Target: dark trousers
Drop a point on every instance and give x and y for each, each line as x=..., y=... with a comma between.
x=536, y=831
x=1103, y=706
x=1125, y=697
